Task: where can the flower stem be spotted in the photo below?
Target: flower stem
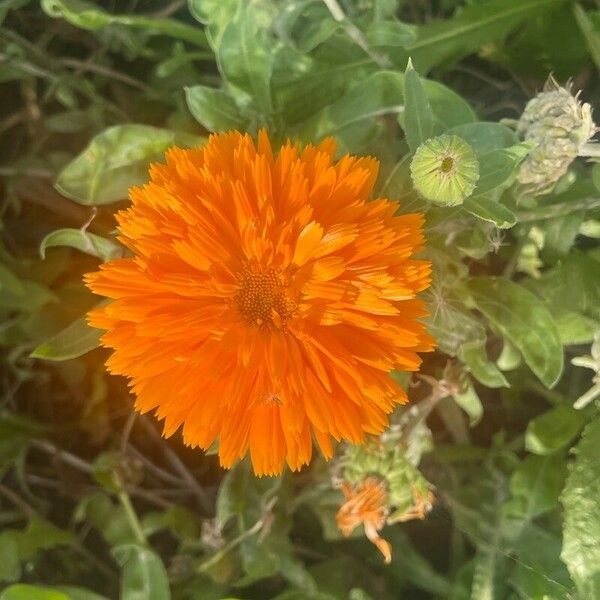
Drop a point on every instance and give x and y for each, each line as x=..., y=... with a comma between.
x=132, y=517
x=557, y=210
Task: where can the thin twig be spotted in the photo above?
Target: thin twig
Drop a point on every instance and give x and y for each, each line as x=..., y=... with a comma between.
x=179, y=466
x=107, y=72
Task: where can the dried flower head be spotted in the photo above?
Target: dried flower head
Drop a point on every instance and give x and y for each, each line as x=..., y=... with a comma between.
x=366, y=504
x=561, y=128
x=266, y=299
x=445, y=170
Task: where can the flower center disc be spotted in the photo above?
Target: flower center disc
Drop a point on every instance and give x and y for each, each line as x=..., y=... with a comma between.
x=263, y=298
x=447, y=164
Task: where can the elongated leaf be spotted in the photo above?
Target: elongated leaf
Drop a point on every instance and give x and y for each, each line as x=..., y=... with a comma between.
x=487, y=208
x=418, y=117
x=590, y=31
x=73, y=341
x=88, y=15
x=524, y=320
x=214, y=109
x=581, y=503
x=115, y=160
x=478, y=24
x=87, y=242
x=144, y=575
x=246, y=54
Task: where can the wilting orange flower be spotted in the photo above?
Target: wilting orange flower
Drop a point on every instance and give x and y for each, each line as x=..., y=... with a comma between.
x=266, y=299
x=367, y=504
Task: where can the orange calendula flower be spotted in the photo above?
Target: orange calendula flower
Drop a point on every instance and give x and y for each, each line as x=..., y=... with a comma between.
x=367, y=504
x=266, y=299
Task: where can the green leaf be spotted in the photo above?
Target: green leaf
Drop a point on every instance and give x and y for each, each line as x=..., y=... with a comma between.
x=143, y=574
x=442, y=42
x=573, y=285
x=485, y=137
x=539, y=573
x=382, y=34
x=418, y=117
x=214, y=109
x=376, y=95
x=559, y=235
x=469, y=401
x=554, y=430
x=474, y=355
x=449, y=109
x=87, y=15
x=488, y=208
x=574, y=328
x=41, y=535
x=89, y=243
x=590, y=31
x=10, y=564
x=524, y=320
x=241, y=493
x=453, y=327
x=581, y=503
x=115, y=160
x=73, y=341
x=245, y=54
x=78, y=593
x=22, y=591
x=497, y=168
x=306, y=24
x=535, y=486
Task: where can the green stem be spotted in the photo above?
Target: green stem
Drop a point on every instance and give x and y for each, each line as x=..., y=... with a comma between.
x=215, y=558
x=132, y=517
x=557, y=210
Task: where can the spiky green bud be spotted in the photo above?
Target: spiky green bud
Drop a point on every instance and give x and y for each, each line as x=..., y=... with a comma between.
x=445, y=170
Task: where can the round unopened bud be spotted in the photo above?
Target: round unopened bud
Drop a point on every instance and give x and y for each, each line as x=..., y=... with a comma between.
x=561, y=126
x=445, y=170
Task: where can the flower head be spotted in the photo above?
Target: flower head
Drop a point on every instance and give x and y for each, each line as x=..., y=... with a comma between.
x=266, y=299
x=445, y=170
x=560, y=126
x=366, y=504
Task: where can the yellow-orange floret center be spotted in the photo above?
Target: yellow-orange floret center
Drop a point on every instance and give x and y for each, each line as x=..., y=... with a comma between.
x=263, y=297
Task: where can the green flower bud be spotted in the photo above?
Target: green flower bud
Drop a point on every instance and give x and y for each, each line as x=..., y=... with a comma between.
x=445, y=170
x=561, y=127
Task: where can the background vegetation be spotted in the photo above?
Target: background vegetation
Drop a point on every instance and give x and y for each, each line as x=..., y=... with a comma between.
x=95, y=504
